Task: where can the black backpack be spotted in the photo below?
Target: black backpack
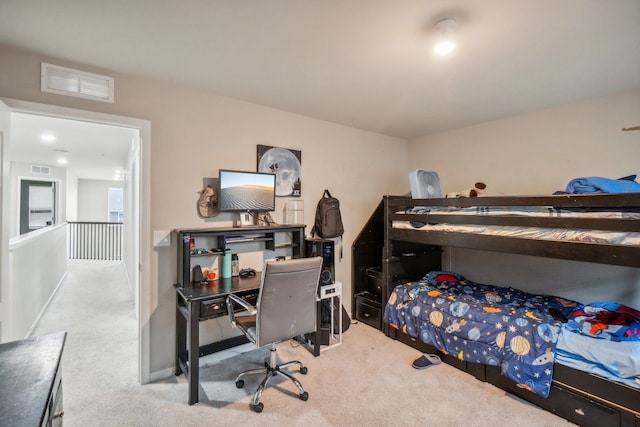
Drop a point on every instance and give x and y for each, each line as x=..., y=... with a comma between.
x=328, y=222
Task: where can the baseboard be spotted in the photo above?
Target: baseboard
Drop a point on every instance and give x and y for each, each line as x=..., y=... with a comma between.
x=46, y=305
x=160, y=375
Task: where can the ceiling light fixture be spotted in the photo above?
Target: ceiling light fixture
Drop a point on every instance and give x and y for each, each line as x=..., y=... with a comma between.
x=62, y=160
x=47, y=137
x=445, y=43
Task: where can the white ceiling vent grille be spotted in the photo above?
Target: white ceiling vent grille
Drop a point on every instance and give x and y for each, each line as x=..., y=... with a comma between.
x=66, y=81
x=40, y=170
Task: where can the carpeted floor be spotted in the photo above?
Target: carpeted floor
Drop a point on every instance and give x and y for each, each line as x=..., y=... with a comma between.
x=366, y=381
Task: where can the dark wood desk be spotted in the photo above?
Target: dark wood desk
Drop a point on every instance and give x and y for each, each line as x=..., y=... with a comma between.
x=198, y=303
x=30, y=381
x=195, y=304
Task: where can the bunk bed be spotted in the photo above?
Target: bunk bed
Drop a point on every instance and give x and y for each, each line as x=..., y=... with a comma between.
x=414, y=233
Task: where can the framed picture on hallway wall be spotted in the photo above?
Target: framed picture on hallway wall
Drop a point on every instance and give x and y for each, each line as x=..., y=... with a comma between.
x=286, y=164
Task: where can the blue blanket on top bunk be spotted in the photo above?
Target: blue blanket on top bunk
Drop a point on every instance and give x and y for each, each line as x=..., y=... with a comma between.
x=484, y=324
x=596, y=184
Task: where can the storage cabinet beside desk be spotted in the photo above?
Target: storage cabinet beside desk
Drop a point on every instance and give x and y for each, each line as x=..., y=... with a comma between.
x=199, y=302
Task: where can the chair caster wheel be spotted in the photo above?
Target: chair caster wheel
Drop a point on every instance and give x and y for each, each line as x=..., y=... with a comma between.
x=304, y=396
x=240, y=383
x=257, y=408
x=304, y=370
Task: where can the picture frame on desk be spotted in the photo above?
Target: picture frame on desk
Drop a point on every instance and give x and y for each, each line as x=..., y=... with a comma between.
x=246, y=219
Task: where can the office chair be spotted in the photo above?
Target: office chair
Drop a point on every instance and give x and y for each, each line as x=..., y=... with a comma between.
x=286, y=309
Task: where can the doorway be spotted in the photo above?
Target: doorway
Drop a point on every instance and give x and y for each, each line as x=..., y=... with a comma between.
x=38, y=204
x=136, y=214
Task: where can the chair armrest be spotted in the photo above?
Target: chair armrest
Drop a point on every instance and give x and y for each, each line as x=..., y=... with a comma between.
x=232, y=298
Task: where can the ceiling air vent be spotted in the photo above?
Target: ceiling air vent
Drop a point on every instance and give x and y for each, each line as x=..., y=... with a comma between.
x=40, y=170
x=66, y=81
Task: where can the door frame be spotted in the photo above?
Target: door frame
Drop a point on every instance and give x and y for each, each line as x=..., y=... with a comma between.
x=143, y=309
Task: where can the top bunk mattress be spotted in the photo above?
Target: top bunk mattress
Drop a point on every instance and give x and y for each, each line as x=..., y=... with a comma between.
x=609, y=237
x=605, y=222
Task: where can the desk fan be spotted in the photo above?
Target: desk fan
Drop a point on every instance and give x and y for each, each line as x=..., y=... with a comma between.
x=425, y=184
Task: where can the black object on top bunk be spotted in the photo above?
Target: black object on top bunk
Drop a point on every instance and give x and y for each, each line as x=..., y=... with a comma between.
x=399, y=255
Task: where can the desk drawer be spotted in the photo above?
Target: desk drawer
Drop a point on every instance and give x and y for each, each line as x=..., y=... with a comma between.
x=215, y=307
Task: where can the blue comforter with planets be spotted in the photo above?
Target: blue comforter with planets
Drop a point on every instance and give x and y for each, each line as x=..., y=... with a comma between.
x=486, y=324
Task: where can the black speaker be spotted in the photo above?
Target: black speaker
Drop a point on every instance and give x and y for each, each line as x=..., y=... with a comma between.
x=325, y=249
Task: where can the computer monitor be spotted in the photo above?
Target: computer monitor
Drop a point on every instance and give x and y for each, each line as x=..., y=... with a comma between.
x=246, y=191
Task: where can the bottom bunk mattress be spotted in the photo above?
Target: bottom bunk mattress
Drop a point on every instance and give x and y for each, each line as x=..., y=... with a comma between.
x=486, y=324
x=603, y=338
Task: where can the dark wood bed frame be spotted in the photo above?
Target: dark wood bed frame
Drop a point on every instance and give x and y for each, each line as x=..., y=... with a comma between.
x=384, y=257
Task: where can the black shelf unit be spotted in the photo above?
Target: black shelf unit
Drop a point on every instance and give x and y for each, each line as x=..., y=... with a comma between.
x=219, y=239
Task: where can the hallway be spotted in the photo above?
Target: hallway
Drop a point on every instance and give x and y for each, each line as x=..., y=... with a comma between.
x=94, y=305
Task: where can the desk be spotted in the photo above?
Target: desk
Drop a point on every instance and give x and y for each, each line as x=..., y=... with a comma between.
x=195, y=304
x=198, y=303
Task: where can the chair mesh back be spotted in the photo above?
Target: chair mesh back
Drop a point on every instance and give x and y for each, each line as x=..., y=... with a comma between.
x=287, y=301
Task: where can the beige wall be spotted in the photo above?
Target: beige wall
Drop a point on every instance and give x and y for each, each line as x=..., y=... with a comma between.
x=194, y=133
x=537, y=153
